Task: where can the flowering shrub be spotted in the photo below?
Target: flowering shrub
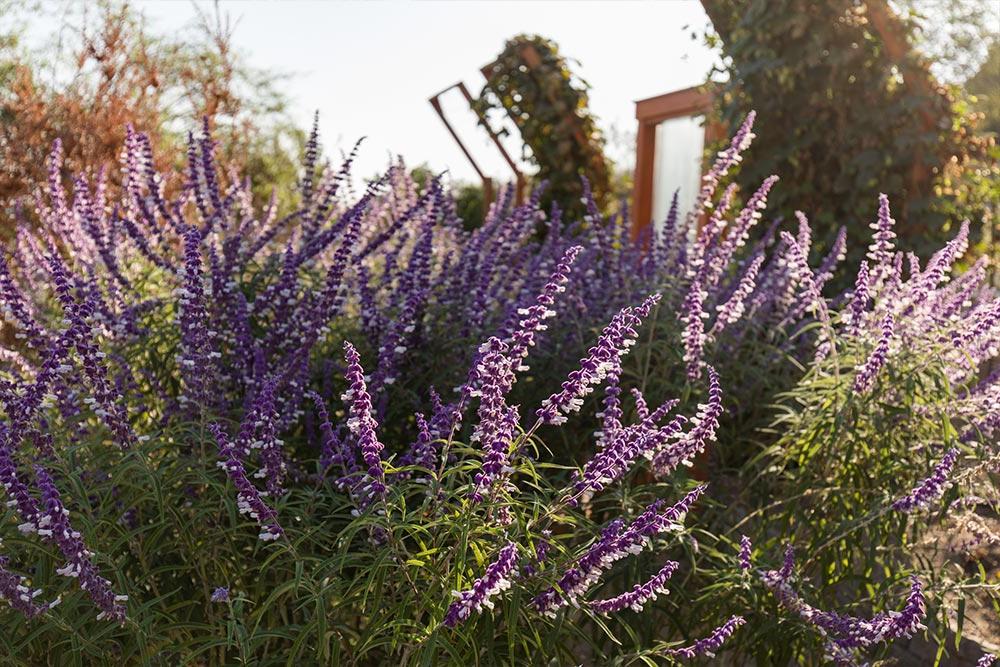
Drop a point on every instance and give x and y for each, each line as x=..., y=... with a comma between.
x=340, y=436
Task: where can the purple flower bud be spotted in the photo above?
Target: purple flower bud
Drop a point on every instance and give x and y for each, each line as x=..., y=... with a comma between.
x=745, y=553
x=220, y=594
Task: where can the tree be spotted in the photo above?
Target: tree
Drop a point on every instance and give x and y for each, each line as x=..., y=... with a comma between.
x=985, y=86
x=846, y=109
x=112, y=73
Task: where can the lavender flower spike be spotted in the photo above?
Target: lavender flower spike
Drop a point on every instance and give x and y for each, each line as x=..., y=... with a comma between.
x=533, y=317
x=859, y=300
x=220, y=594
x=497, y=420
x=710, y=644
x=931, y=488
x=615, y=340
x=14, y=590
x=865, y=378
x=362, y=424
x=248, y=498
x=495, y=580
x=54, y=526
x=704, y=426
x=640, y=594
x=880, y=250
x=987, y=660
x=745, y=549
x=732, y=309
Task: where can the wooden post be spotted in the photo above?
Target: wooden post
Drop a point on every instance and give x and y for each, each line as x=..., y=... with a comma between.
x=649, y=113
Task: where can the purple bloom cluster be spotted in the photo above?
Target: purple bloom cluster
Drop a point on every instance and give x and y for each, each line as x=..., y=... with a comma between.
x=844, y=633
x=259, y=300
x=493, y=377
x=496, y=579
x=619, y=453
x=53, y=525
x=616, y=542
x=867, y=371
x=704, y=426
x=248, y=498
x=931, y=488
x=14, y=589
x=363, y=426
x=745, y=553
x=640, y=594
x=707, y=646
x=603, y=358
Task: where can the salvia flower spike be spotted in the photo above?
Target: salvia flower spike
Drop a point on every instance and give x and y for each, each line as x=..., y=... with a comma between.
x=931, y=488
x=496, y=579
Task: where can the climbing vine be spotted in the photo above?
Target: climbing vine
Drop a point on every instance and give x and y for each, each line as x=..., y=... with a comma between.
x=533, y=83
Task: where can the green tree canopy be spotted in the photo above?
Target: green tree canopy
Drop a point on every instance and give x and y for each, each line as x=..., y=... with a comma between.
x=847, y=109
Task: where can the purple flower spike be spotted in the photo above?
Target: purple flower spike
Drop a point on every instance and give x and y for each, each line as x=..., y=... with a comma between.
x=710, y=644
x=14, y=590
x=859, y=300
x=745, y=553
x=220, y=594
x=248, y=498
x=846, y=633
x=880, y=252
x=987, y=660
x=363, y=425
x=865, y=378
x=725, y=160
x=620, y=452
x=931, y=488
x=533, y=317
x=54, y=526
x=640, y=594
x=495, y=580
x=732, y=309
x=618, y=336
x=705, y=423
x=616, y=542
x=493, y=377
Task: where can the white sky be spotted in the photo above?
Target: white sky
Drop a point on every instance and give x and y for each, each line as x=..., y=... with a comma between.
x=369, y=67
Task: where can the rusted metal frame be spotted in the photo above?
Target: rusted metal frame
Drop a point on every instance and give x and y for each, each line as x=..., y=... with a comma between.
x=486, y=180
x=518, y=176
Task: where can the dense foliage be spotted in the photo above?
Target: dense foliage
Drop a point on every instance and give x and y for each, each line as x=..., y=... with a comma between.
x=850, y=110
x=359, y=433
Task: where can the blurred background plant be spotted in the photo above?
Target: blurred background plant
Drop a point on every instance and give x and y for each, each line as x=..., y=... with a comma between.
x=106, y=69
